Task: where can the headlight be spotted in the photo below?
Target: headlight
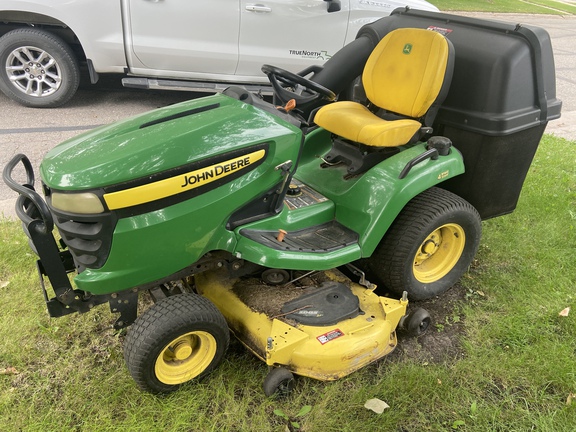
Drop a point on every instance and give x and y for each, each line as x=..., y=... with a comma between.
x=82, y=203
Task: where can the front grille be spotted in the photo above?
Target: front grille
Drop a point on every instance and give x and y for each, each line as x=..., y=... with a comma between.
x=89, y=238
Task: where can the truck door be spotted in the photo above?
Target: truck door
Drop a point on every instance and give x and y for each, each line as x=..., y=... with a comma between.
x=290, y=34
x=183, y=35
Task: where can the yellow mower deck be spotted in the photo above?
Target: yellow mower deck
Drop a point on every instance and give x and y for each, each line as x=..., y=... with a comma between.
x=328, y=352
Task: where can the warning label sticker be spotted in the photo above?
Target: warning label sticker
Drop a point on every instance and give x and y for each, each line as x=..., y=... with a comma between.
x=306, y=196
x=330, y=336
x=443, y=31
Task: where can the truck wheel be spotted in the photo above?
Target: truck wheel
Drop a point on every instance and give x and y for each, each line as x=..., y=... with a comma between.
x=181, y=338
x=429, y=246
x=37, y=68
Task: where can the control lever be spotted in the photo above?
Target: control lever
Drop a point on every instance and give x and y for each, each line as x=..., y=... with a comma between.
x=437, y=146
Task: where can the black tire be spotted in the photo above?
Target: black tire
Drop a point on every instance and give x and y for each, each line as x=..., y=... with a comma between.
x=279, y=382
x=429, y=246
x=417, y=322
x=179, y=339
x=37, y=68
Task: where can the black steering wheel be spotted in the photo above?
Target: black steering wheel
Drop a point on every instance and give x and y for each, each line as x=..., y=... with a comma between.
x=281, y=78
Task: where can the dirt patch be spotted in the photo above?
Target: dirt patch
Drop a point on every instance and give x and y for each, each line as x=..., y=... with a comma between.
x=441, y=343
x=270, y=299
x=264, y=298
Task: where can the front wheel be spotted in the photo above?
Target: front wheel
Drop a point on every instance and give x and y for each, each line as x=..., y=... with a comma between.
x=37, y=68
x=179, y=339
x=429, y=246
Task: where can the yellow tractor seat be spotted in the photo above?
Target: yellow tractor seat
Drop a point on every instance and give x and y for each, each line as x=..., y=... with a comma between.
x=408, y=71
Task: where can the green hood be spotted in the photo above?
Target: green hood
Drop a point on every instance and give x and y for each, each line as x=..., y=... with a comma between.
x=158, y=141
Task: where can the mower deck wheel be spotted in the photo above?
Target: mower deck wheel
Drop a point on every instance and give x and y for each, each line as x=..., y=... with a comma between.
x=279, y=382
x=417, y=322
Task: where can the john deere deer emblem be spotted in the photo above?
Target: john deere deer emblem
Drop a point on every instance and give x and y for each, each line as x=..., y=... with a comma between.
x=407, y=48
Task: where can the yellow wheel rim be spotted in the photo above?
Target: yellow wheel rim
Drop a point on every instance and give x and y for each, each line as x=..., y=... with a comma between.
x=439, y=253
x=185, y=357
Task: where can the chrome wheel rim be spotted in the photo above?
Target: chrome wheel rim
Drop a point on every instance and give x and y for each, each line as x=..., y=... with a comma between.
x=33, y=71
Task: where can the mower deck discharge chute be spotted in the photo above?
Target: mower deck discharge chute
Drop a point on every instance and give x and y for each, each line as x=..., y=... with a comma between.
x=263, y=219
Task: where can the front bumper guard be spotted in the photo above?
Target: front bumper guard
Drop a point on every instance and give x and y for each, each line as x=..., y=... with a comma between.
x=55, y=261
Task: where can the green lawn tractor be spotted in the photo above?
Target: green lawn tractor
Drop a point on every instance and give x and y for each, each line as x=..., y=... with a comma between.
x=264, y=219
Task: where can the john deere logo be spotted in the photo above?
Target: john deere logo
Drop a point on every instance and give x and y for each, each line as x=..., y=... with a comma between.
x=407, y=48
x=181, y=183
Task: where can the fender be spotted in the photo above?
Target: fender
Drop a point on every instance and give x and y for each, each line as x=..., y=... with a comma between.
x=396, y=193
x=369, y=204
x=96, y=25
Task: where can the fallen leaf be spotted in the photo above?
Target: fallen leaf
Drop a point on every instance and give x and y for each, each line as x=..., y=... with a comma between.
x=570, y=398
x=4, y=284
x=376, y=405
x=564, y=312
x=8, y=371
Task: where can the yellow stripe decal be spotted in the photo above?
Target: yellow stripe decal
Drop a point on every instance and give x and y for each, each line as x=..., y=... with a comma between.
x=180, y=183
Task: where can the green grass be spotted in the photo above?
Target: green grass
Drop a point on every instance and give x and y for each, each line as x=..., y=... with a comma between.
x=517, y=369
x=507, y=6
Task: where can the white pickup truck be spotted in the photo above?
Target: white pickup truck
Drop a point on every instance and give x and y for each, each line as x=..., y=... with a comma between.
x=46, y=44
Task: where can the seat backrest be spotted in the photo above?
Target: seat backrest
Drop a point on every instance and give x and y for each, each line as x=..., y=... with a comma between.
x=407, y=70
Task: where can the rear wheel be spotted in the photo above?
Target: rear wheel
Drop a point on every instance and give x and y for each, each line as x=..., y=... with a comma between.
x=181, y=338
x=37, y=68
x=429, y=246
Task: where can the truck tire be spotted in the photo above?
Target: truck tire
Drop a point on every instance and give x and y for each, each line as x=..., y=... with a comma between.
x=37, y=68
x=429, y=246
x=179, y=339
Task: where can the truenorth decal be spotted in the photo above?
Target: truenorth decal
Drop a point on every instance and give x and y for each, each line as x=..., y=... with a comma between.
x=319, y=55
x=180, y=183
x=376, y=3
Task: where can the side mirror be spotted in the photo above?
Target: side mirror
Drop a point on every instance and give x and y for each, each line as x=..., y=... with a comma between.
x=333, y=5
